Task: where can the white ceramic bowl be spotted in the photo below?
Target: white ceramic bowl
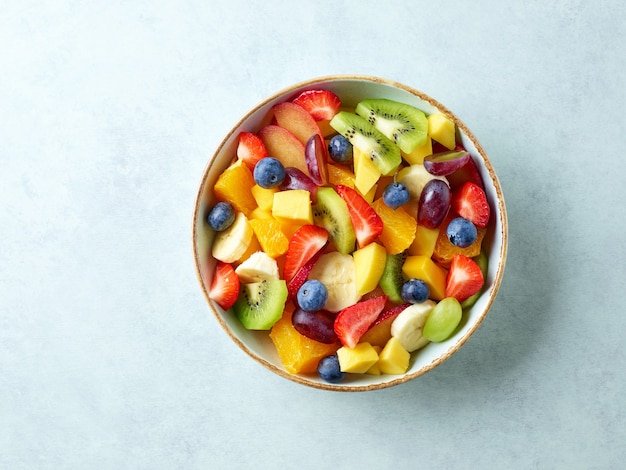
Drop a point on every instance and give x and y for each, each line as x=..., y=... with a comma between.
x=351, y=89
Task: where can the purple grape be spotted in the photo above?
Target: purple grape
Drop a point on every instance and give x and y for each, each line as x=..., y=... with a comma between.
x=434, y=203
x=445, y=163
x=317, y=325
x=315, y=156
x=297, y=179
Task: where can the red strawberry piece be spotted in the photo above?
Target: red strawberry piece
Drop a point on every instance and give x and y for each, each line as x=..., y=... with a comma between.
x=250, y=149
x=321, y=104
x=304, y=244
x=366, y=222
x=468, y=172
x=301, y=276
x=470, y=202
x=352, y=322
x=224, y=288
x=464, y=278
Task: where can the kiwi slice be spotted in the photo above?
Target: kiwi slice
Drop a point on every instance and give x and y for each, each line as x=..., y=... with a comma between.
x=406, y=125
x=393, y=278
x=331, y=212
x=364, y=136
x=261, y=304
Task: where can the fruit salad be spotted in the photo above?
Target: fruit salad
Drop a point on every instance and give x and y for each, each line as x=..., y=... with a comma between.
x=352, y=235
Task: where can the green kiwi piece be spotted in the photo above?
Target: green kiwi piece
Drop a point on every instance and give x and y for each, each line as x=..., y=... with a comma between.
x=406, y=125
x=393, y=278
x=364, y=136
x=331, y=212
x=261, y=304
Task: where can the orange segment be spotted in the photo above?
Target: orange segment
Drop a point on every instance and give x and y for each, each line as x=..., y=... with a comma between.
x=398, y=227
x=235, y=185
x=340, y=175
x=444, y=250
x=269, y=234
x=299, y=354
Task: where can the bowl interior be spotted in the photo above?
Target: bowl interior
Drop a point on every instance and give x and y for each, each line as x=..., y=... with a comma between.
x=351, y=89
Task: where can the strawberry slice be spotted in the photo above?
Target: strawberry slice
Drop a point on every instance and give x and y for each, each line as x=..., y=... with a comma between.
x=321, y=104
x=250, y=149
x=224, y=288
x=470, y=202
x=301, y=276
x=305, y=243
x=352, y=322
x=366, y=222
x=464, y=278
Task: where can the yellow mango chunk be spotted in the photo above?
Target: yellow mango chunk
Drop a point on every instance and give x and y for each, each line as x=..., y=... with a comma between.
x=393, y=359
x=418, y=154
x=293, y=206
x=357, y=359
x=442, y=129
x=369, y=263
x=264, y=197
x=423, y=267
x=425, y=240
x=234, y=185
x=365, y=171
x=375, y=370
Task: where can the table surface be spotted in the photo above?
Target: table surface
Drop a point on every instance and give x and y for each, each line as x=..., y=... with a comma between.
x=109, y=356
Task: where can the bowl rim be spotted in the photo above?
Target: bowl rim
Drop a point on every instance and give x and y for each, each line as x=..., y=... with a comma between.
x=460, y=341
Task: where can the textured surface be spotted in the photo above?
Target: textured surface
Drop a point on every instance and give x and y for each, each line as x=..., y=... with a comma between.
x=108, y=355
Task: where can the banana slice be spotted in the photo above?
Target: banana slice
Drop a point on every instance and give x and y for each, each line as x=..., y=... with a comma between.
x=407, y=327
x=415, y=177
x=258, y=267
x=336, y=271
x=233, y=242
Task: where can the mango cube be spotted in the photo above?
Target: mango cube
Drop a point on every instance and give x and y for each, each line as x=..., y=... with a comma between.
x=264, y=197
x=425, y=241
x=293, y=206
x=357, y=359
x=369, y=262
x=375, y=370
x=393, y=359
x=442, y=130
x=418, y=154
x=423, y=267
x=365, y=171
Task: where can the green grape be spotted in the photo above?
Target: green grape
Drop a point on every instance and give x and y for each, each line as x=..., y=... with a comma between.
x=442, y=320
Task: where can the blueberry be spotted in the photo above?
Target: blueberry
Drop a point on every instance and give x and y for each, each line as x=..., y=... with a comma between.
x=461, y=232
x=340, y=149
x=330, y=370
x=395, y=195
x=221, y=216
x=312, y=295
x=415, y=291
x=269, y=172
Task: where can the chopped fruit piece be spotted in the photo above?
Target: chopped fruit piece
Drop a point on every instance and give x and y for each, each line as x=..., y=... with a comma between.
x=331, y=212
x=264, y=197
x=296, y=179
x=468, y=172
x=366, y=173
x=442, y=129
x=393, y=278
x=358, y=358
x=230, y=244
x=224, y=288
x=304, y=244
x=443, y=320
x=339, y=175
x=284, y=146
x=299, y=354
x=337, y=272
x=234, y=185
x=425, y=240
x=424, y=268
x=293, y=206
x=446, y=163
x=470, y=201
x=444, y=250
x=380, y=332
x=366, y=222
x=301, y=276
x=296, y=120
x=353, y=321
x=253, y=247
x=464, y=278
x=393, y=359
x=321, y=104
x=418, y=154
x=270, y=236
x=315, y=156
x=259, y=213
x=258, y=267
x=369, y=263
x=434, y=203
x=398, y=227
x=374, y=369
x=317, y=325
x=261, y=304
x=250, y=149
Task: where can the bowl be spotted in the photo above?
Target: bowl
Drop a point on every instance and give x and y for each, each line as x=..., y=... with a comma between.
x=351, y=88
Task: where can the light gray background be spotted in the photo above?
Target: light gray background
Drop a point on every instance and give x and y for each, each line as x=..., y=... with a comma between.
x=109, y=357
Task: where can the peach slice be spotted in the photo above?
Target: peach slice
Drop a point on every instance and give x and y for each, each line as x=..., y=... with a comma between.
x=284, y=146
x=296, y=120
